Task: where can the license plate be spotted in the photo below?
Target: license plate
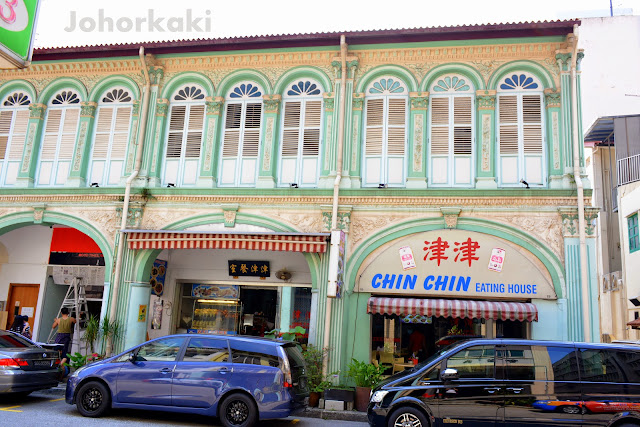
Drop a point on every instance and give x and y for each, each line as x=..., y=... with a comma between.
x=42, y=363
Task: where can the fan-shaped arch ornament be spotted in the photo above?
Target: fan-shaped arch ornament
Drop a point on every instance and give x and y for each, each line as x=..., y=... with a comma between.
x=66, y=97
x=521, y=81
x=189, y=93
x=386, y=86
x=451, y=84
x=303, y=88
x=17, y=99
x=117, y=95
x=245, y=90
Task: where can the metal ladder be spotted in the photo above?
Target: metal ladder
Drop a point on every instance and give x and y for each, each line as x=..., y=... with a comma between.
x=76, y=301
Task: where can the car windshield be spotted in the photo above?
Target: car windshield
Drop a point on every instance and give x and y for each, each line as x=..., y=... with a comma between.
x=9, y=340
x=443, y=351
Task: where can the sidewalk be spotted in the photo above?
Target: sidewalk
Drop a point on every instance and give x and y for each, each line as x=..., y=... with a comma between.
x=325, y=414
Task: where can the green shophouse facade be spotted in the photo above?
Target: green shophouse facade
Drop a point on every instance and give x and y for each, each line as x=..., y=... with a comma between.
x=441, y=128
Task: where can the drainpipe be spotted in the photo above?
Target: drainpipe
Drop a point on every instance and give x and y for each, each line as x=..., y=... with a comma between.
x=127, y=194
x=336, y=184
x=584, y=280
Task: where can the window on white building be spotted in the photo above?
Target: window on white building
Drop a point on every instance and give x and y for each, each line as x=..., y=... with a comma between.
x=241, y=141
x=385, y=136
x=451, y=127
x=521, y=131
x=184, y=136
x=111, y=136
x=59, y=139
x=301, y=129
x=14, y=119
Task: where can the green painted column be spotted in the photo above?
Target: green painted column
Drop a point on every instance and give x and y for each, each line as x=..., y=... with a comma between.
x=486, y=139
x=357, y=118
x=580, y=130
x=138, y=298
x=348, y=142
x=330, y=140
x=566, y=137
x=417, y=140
x=132, y=145
x=27, y=171
x=554, y=131
x=269, y=148
x=576, y=289
x=156, y=147
x=153, y=139
x=208, y=164
x=285, y=308
x=82, y=151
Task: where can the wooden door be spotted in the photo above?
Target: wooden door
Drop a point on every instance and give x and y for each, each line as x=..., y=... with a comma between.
x=23, y=299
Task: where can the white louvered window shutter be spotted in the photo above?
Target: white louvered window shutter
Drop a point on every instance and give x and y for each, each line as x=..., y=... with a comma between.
x=13, y=132
x=462, y=140
x=439, y=141
x=241, y=143
x=58, y=143
x=374, y=141
x=508, y=137
x=532, y=139
x=110, y=141
x=396, y=140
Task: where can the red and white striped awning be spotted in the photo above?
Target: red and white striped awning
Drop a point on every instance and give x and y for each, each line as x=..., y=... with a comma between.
x=454, y=308
x=286, y=242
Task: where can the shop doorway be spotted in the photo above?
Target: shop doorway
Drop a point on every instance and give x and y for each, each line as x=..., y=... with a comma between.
x=259, y=310
x=23, y=300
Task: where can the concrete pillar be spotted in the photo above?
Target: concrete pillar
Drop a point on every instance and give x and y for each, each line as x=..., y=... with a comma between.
x=138, y=314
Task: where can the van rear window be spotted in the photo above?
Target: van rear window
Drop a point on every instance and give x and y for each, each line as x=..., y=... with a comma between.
x=295, y=356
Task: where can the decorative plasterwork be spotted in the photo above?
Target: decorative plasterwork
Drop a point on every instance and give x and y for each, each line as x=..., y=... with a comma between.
x=555, y=139
x=271, y=103
x=88, y=109
x=486, y=142
x=214, y=105
x=450, y=216
x=136, y=108
x=358, y=101
x=551, y=98
x=308, y=222
x=38, y=214
x=156, y=74
x=329, y=100
x=418, y=137
x=486, y=99
x=82, y=138
x=352, y=64
x=230, y=212
x=208, y=146
x=28, y=147
x=363, y=226
x=134, y=216
x=343, y=221
x=162, y=107
x=419, y=100
x=268, y=142
x=36, y=111
x=570, y=221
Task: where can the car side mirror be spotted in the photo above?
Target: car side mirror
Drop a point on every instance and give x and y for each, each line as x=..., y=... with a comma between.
x=133, y=357
x=449, y=374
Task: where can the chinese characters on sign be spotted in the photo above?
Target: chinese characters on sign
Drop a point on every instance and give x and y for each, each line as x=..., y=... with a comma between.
x=249, y=268
x=437, y=249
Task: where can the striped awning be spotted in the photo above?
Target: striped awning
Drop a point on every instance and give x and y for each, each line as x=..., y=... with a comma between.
x=454, y=308
x=286, y=242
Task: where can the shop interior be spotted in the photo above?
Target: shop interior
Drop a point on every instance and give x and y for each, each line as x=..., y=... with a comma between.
x=398, y=342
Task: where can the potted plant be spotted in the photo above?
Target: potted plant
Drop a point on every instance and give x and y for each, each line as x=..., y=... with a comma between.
x=314, y=358
x=91, y=332
x=366, y=376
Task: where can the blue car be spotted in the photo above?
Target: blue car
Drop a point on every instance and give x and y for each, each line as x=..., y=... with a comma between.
x=238, y=379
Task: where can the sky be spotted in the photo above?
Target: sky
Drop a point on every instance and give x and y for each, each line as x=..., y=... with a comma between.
x=82, y=22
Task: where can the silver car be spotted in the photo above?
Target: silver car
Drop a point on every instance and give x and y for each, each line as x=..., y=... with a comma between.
x=25, y=366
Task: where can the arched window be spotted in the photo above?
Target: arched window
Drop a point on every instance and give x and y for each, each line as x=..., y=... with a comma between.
x=184, y=136
x=385, y=134
x=111, y=136
x=59, y=139
x=241, y=141
x=300, y=149
x=451, y=138
x=521, y=130
x=14, y=119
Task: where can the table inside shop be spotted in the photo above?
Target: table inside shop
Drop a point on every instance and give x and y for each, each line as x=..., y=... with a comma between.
x=398, y=367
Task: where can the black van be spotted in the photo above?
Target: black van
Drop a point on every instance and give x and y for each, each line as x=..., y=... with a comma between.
x=494, y=382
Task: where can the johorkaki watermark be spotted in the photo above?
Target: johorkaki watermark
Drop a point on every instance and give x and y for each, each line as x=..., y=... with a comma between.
x=149, y=23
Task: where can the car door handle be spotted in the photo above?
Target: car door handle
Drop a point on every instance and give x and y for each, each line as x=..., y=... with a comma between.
x=516, y=390
x=223, y=370
x=166, y=370
x=492, y=390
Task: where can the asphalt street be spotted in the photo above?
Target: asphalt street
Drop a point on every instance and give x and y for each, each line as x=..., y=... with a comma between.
x=47, y=409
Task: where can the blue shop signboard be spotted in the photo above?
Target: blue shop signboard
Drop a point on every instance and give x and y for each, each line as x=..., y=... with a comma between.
x=455, y=263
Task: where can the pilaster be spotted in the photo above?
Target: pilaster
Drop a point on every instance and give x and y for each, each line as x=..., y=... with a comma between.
x=355, y=138
x=208, y=167
x=268, y=158
x=156, y=148
x=330, y=135
x=82, y=151
x=133, y=138
x=417, y=140
x=553, y=103
x=563, y=58
x=27, y=171
x=486, y=138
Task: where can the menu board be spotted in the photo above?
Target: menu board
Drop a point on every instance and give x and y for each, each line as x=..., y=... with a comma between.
x=215, y=291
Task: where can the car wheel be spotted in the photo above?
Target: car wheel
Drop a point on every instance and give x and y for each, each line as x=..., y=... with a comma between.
x=93, y=399
x=238, y=410
x=570, y=409
x=407, y=417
